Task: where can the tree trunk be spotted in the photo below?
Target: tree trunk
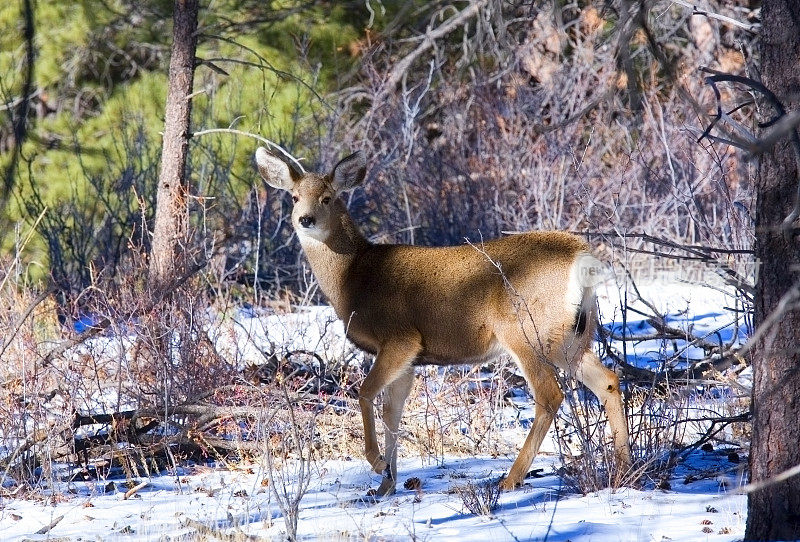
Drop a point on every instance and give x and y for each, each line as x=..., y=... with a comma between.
x=774, y=512
x=19, y=121
x=169, y=231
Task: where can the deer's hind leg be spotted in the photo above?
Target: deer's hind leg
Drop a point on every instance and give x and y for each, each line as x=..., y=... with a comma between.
x=547, y=394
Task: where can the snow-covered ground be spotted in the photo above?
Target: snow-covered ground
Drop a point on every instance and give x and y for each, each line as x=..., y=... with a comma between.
x=204, y=502
x=335, y=507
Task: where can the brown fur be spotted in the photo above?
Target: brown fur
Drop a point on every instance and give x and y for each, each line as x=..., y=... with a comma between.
x=463, y=304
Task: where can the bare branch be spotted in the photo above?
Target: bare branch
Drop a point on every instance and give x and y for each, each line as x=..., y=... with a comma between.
x=788, y=302
x=750, y=27
x=214, y=533
x=264, y=140
x=762, y=484
x=428, y=40
x=134, y=490
x=25, y=315
x=105, y=323
x=692, y=252
x=783, y=124
x=46, y=529
x=263, y=65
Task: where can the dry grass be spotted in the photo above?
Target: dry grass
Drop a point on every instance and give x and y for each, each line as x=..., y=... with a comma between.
x=479, y=499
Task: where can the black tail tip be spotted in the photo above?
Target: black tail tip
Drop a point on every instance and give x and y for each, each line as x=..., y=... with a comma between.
x=580, y=321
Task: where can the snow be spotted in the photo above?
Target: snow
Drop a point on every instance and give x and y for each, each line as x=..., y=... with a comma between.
x=335, y=508
x=691, y=307
x=699, y=502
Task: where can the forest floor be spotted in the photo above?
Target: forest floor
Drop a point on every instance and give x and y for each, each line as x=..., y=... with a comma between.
x=695, y=500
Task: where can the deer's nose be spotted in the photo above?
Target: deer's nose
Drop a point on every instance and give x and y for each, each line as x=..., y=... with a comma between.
x=306, y=221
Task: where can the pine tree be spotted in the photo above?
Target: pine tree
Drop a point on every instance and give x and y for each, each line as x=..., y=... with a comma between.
x=774, y=512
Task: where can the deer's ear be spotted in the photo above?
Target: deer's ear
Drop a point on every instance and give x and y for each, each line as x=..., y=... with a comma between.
x=349, y=172
x=274, y=171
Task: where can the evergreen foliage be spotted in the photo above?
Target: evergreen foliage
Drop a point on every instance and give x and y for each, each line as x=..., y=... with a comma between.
x=100, y=83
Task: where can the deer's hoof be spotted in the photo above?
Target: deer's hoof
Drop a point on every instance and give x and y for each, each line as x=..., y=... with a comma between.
x=507, y=484
x=386, y=488
x=379, y=465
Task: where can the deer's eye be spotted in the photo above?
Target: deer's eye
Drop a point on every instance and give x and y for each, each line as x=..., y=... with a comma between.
x=326, y=200
x=295, y=199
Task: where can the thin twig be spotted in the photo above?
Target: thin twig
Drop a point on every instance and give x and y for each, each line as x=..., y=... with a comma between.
x=264, y=140
x=750, y=27
x=46, y=529
x=18, y=324
x=206, y=531
x=782, y=125
x=105, y=323
x=428, y=41
x=134, y=490
x=264, y=64
x=786, y=303
x=771, y=481
x=25, y=242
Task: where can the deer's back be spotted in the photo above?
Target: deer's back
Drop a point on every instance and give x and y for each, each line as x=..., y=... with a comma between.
x=456, y=299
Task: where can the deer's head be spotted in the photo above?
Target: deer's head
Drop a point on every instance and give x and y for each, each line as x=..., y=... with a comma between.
x=317, y=206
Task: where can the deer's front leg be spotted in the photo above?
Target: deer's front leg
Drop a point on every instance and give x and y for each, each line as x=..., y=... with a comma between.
x=394, y=360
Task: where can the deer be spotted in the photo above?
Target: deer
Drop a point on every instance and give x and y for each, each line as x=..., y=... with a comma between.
x=530, y=295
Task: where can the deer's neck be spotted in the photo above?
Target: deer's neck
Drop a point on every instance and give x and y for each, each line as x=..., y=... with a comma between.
x=331, y=259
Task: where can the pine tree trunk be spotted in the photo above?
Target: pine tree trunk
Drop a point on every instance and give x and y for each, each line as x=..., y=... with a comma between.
x=774, y=512
x=169, y=231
